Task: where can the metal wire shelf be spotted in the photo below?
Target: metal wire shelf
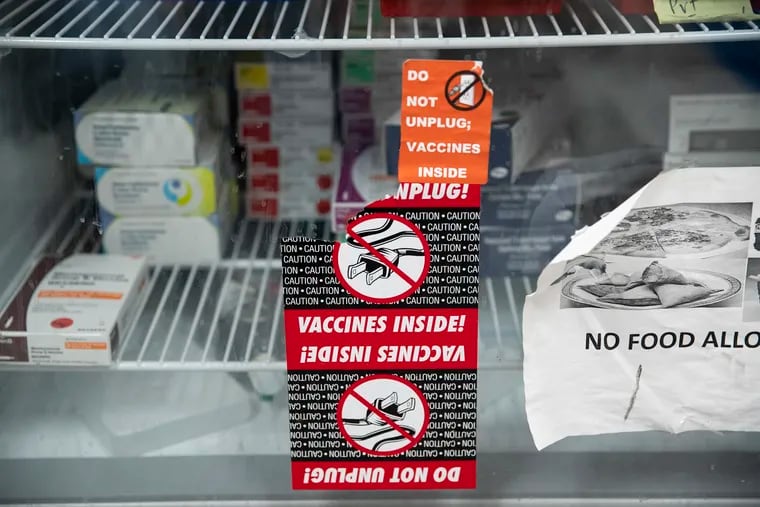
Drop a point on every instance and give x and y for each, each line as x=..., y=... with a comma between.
x=227, y=316
x=304, y=25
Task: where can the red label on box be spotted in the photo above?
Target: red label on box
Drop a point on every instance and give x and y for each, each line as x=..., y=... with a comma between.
x=381, y=345
x=264, y=182
x=255, y=131
x=262, y=208
x=324, y=181
x=264, y=157
x=260, y=104
x=323, y=206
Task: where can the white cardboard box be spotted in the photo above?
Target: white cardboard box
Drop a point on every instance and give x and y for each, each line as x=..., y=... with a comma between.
x=128, y=124
x=290, y=183
x=288, y=132
x=721, y=122
x=303, y=159
x=174, y=239
x=72, y=311
x=268, y=104
x=164, y=191
x=270, y=205
x=283, y=76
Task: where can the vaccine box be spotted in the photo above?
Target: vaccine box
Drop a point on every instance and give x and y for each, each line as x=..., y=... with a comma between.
x=317, y=205
x=174, y=239
x=714, y=122
x=380, y=70
x=304, y=159
x=127, y=124
x=290, y=184
x=284, y=76
x=362, y=179
x=268, y=104
x=518, y=134
x=164, y=191
x=289, y=193
x=289, y=132
x=72, y=311
x=360, y=129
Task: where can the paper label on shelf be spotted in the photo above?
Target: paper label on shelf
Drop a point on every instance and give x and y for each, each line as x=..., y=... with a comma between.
x=445, y=122
x=648, y=320
x=381, y=337
x=690, y=11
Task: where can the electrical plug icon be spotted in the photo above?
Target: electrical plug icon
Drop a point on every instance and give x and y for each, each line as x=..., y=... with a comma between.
x=374, y=267
x=391, y=408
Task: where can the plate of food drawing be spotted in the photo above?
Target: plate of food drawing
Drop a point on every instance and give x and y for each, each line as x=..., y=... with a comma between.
x=675, y=231
x=658, y=287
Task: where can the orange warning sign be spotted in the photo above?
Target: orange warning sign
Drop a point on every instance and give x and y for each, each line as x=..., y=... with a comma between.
x=445, y=122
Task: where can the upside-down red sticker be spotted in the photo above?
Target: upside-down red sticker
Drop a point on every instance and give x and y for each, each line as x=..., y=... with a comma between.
x=391, y=424
x=381, y=343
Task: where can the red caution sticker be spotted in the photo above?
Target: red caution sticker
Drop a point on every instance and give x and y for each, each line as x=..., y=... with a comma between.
x=383, y=415
x=381, y=344
x=384, y=260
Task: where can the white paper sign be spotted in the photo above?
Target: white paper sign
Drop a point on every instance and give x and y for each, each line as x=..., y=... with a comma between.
x=650, y=319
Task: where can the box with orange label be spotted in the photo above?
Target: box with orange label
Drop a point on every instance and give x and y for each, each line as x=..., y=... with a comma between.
x=72, y=311
x=289, y=194
x=303, y=159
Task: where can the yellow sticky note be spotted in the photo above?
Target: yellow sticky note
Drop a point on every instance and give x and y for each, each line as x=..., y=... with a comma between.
x=692, y=11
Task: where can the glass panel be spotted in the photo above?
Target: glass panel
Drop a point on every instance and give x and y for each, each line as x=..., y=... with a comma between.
x=194, y=406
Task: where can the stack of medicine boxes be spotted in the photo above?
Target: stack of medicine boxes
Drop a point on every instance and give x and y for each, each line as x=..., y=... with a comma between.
x=159, y=166
x=286, y=123
x=370, y=81
x=370, y=92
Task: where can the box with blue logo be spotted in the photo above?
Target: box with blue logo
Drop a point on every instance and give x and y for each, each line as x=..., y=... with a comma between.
x=173, y=239
x=164, y=191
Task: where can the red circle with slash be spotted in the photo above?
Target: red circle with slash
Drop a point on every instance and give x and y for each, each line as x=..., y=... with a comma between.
x=413, y=283
x=394, y=427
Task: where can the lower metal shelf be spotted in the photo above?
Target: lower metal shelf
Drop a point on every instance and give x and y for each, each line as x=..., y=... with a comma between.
x=227, y=316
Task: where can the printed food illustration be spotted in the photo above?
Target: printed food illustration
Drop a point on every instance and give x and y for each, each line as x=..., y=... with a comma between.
x=678, y=229
x=658, y=286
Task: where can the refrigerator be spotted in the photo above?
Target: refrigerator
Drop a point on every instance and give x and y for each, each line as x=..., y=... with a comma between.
x=190, y=406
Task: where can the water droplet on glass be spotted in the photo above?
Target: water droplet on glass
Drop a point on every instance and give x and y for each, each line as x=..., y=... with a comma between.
x=297, y=35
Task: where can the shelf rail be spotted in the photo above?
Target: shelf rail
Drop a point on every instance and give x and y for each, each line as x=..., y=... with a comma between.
x=304, y=25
